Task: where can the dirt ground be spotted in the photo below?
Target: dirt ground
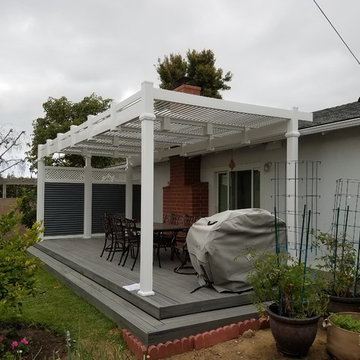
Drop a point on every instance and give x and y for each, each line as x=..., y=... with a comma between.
x=259, y=347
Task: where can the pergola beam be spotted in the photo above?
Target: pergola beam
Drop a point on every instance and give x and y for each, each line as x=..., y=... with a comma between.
x=250, y=136
x=220, y=104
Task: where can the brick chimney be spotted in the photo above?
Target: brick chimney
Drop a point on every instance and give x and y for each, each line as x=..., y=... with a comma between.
x=185, y=194
x=189, y=89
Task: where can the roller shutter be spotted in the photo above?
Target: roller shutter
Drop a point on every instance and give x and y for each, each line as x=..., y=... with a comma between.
x=106, y=198
x=64, y=209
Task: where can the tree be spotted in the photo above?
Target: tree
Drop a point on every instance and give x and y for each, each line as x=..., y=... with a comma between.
x=199, y=67
x=9, y=141
x=60, y=114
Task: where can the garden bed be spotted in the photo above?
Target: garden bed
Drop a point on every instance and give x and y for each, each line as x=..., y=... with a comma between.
x=32, y=342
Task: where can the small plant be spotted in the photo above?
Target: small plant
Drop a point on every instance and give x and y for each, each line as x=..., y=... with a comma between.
x=13, y=347
x=296, y=290
x=340, y=260
x=346, y=322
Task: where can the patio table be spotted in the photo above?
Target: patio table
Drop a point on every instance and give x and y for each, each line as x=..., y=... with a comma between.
x=160, y=228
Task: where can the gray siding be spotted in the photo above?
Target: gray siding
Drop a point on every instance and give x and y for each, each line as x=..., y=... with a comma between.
x=64, y=209
x=106, y=198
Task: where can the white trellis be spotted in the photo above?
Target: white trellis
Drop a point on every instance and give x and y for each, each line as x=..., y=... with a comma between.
x=77, y=175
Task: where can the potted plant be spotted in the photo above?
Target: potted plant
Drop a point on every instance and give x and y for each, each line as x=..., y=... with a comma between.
x=297, y=300
x=343, y=334
x=340, y=259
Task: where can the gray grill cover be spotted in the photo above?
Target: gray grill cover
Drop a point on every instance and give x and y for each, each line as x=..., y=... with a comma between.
x=220, y=246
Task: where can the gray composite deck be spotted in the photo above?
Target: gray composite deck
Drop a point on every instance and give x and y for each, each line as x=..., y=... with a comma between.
x=171, y=313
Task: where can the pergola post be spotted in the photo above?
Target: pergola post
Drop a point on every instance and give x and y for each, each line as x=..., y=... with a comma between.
x=87, y=198
x=129, y=192
x=40, y=191
x=147, y=191
x=292, y=154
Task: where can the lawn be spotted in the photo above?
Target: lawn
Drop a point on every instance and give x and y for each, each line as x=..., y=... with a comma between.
x=59, y=310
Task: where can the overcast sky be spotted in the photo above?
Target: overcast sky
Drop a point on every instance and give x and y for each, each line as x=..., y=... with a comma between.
x=282, y=53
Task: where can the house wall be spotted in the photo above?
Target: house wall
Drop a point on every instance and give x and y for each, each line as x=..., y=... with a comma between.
x=161, y=180
x=338, y=151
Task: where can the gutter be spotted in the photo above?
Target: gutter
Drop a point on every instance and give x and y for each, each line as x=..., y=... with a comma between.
x=338, y=125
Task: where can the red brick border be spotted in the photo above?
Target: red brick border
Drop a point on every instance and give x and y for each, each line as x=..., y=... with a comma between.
x=199, y=341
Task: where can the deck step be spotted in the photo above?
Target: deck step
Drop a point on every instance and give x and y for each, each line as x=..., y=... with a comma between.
x=145, y=327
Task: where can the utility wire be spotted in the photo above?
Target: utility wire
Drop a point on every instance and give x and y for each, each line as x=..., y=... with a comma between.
x=341, y=38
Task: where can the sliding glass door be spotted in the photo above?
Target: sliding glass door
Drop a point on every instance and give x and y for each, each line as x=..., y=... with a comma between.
x=238, y=189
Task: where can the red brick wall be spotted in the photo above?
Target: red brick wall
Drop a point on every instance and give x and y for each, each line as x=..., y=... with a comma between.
x=185, y=193
x=189, y=89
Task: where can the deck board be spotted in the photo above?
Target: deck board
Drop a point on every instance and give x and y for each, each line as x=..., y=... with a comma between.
x=172, y=291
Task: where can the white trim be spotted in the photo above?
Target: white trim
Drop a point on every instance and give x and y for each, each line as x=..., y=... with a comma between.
x=338, y=125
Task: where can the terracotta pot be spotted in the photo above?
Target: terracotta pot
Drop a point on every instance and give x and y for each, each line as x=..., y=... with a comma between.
x=341, y=304
x=293, y=336
x=341, y=343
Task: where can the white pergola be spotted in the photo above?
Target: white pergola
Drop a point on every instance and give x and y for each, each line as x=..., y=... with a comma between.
x=152, y=125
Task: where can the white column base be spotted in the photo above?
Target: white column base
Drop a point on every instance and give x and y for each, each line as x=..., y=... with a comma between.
x=146, y=293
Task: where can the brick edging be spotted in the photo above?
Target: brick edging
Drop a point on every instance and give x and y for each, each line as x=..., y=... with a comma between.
x=198, y=341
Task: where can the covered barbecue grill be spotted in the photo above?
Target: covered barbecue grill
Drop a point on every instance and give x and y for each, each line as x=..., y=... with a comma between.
x=220, y=246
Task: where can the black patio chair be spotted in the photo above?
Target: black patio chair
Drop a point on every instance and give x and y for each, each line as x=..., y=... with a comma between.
x=131, y=243
x=179, y=247
x=166, y=238
x=118, y=232
x=108, y=241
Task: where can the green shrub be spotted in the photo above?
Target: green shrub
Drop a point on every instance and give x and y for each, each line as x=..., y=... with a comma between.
x=28, y=205
x=296, y=291
x=16, y=267
x=339, y=260
x=346, y=322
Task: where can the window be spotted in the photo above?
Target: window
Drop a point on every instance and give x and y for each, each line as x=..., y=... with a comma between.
x=238, y=189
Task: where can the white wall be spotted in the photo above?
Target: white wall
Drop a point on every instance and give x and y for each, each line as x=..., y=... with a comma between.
x=338, y=151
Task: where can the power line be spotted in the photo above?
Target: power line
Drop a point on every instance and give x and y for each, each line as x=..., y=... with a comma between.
x=341, y=38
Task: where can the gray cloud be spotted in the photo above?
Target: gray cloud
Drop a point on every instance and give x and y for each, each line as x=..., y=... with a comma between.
x=282, y=52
